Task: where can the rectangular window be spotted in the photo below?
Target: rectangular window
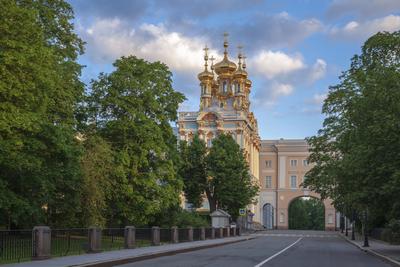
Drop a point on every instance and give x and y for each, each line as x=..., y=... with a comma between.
x=293, y=162
x=268, y=163
x=209, y=142
x=305, y=162
x=268, y=182
x=293, y=181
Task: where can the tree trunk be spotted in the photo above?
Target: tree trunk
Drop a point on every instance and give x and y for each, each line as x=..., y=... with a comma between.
x=211, y=201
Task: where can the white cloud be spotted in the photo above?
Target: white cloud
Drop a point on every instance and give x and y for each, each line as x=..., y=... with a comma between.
x=362, y=30
x=317, y=99
x=109, y=39
x=318, y=70
x=272, y=64
x=269, y=94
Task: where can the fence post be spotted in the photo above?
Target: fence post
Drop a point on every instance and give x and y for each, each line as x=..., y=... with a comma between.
x=190, y=233
x=220, y=232
x=228, y=231
x=155, y=236
x=130, y=236
x=202, y=233
x=238, y=231
x=94, y=240
x=234, y=231
x=174, y=234
x=212, y=232
x=41, y=242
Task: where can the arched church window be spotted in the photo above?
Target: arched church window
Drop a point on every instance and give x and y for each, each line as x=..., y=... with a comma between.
x=224, y=86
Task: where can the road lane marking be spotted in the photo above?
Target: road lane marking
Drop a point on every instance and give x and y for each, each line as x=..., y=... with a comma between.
x=276, y=254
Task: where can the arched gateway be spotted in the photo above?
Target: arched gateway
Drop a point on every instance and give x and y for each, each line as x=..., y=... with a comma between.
x=283, y=168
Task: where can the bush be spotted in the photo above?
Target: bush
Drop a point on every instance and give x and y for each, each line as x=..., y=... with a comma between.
x=186, y=218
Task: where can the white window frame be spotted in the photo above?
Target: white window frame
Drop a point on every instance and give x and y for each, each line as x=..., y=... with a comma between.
x=293, y=162
x=305, y=162
x=268, y=163
x=268, y=181
x=291, y=181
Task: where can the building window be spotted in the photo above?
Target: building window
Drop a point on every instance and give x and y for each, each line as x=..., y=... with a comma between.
x=305, y=162
x=330, y=218
x=209, y=142
x=268, y=163
x=293, y=162
x=293, y=181
x=268, y=182
x=224, y=86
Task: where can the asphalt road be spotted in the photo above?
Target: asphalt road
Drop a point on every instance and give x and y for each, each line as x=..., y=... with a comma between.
x=278, y=248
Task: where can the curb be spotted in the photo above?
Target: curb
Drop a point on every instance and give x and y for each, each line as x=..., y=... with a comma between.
x=372, y=252
x=153, y=255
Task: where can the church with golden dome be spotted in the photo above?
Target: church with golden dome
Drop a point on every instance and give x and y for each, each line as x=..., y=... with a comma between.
x=278, y=166
x=224, y=108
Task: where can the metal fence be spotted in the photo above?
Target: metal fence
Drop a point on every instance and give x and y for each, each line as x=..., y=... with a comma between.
x=165, y=235
x=112, y=238
x=183, y=234
x=69, y=241
x=209, y=233
x=143, y=237
x=15, y=245
x=196, y=234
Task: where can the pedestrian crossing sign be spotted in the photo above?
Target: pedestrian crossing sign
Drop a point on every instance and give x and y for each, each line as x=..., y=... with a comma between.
x=242, y=212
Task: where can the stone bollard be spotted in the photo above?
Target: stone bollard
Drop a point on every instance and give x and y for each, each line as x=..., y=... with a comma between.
x=234, y=231
x=174, y=234
x=155, y=236
x=228, y=231
x=41, y=242
x=190, y=233
x=130, y=237
x=220, y=232
x=212, y=232
x=94, y=235
x=202, y=233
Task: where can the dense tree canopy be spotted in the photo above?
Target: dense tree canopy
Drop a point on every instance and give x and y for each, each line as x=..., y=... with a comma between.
x=307, y=213
x=356, y=153
x=39, y=92
x=131, y=109
x=221, y=173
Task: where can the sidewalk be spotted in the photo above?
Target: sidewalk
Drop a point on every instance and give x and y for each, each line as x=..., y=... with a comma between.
x=386, y=251
x=110, y=258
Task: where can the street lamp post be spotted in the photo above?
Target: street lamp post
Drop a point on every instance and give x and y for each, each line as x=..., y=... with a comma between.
x=353, y=215
x=366, y=243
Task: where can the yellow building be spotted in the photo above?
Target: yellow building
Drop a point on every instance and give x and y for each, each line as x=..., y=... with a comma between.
x=225, y=108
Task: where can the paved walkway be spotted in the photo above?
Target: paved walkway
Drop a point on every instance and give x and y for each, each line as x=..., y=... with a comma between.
x=379, y=248
x=109, y=256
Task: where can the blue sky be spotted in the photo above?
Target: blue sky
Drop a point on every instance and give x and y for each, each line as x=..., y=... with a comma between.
x=295, y=49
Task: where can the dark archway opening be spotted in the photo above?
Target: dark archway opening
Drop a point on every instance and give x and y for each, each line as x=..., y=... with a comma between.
x=307, y=213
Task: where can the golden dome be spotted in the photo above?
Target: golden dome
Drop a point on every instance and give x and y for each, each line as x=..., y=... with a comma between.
x=225, y=64
x=205, y=74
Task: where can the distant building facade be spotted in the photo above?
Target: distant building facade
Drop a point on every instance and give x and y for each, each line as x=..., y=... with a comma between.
x=225, y=108
x=283, y=168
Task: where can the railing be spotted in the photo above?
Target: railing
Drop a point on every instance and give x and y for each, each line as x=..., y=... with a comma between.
x=165, y=235
x=143, y=237
x=15, y=245
x=22, y=245
x=69, y=241
x=196, y=234
x=112, y=238
x=183, y=234
x=209, y=233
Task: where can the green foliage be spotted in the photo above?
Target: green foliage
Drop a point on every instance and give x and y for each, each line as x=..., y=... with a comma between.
x=307, y=214
x=229, y=185
x=193, y=170
x=356, y=157
x=39, y=92
x=131, y=109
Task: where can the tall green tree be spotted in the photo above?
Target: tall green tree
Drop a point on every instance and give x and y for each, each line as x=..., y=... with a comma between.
x=229, y=184
x=39, y=93
x=356, y=157
x=131, y=109
x=193, y=170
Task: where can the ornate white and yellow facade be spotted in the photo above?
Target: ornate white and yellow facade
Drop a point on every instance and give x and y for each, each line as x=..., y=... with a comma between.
x=225, y=108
